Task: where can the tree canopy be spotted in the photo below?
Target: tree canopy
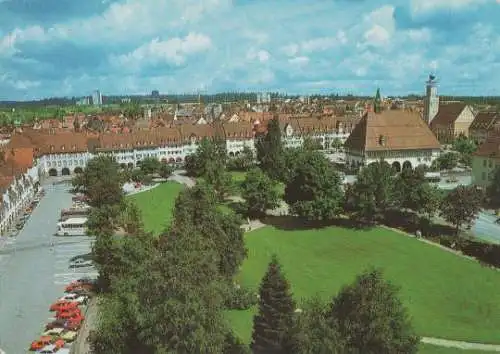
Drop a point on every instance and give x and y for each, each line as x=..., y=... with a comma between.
x=314, y=189
x=270, y=150
x=371, y=319
x=260, y=193
x=461, y=206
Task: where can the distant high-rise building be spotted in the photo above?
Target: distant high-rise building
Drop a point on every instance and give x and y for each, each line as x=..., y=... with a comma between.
x=96, y=98
x=431, y=100
x=84, y=101
x=155, y=93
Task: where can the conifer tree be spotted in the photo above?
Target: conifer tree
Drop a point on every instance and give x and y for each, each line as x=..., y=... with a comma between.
x=273, y=324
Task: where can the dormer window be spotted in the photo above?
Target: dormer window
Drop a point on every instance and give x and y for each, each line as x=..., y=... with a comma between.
x=381, y=140
x=62, y=147
x=52, y=147
x=74, y=147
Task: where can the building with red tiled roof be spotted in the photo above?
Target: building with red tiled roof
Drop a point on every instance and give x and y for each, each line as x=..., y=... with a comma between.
x=483, y=125
x=452, y=120
x=399, y=137
x=485, y=160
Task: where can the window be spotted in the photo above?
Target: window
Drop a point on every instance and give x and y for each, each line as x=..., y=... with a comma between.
x=485, y=162
x=483, y=176
x=490, y=164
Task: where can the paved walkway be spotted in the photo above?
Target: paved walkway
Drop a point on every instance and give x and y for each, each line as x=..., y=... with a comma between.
x=461, y=345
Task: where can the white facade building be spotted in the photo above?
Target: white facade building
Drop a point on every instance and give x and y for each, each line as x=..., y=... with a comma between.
x=401, y=138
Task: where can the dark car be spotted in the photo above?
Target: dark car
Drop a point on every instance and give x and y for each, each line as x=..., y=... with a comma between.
x=69, y=325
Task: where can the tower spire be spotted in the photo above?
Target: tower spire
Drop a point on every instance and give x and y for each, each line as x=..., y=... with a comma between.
x=377, y=103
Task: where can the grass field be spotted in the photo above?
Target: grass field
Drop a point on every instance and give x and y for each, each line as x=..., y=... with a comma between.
x=448, y=296
x=156, y=205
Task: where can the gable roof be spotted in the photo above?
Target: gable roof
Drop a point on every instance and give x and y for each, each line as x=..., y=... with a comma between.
x=485, y=120
x=490, y=148
x=391, y=130
x=448, y=113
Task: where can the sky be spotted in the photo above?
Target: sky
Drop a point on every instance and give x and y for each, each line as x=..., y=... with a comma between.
x=52, y=48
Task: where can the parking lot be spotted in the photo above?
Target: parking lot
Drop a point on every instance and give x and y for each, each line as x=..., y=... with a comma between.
x=34, y=268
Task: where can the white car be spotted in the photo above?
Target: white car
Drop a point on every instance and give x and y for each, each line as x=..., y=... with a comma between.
x=52, y=349
x=81, y=263
x=81, y=299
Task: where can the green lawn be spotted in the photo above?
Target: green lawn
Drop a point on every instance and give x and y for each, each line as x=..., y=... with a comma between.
x=156, y=205
x=448, y=296
x=434, y=349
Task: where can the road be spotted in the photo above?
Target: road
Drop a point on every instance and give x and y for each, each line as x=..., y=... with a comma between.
x=33, y=272
x=486, y=228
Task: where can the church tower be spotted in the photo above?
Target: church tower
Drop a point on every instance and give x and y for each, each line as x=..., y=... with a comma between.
x=431, y=100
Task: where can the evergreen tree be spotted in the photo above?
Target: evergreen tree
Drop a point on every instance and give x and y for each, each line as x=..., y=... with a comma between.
x=371, y=318
x=270, y=150
x=272, y=326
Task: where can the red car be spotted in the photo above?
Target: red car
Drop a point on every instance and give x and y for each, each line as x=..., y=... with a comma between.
x=63, y=306
x=72, y=316
x=44, y=341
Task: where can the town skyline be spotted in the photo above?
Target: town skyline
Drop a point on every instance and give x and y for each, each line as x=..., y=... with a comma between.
x=60, y=49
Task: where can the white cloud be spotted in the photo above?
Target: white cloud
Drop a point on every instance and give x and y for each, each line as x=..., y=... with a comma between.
x=291, y=49
x=299, y=61
x=419, y=35
x=377, y=36
x=8, y=43
x=260, y=55
x=172, y=51
x=125, y=21
x=419, y=7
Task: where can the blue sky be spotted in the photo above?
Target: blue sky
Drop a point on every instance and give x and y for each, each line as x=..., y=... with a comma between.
x=69, y=47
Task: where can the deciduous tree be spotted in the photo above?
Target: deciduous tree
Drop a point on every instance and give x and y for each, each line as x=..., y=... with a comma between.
x=150, y=165
x=373, y=192
x=371, y=318
x=272, y=326
x=260, y=193
x=314, y=191
x=314, y=332
x=461, y=206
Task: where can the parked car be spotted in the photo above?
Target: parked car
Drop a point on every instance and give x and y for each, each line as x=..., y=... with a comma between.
x=82, y=292
x=63, y=305
x=54, y=332
x=72, y=297
x=43, y=341
x=69, y=336
x=71, y=287
x=81, y=263
x=52, y=349
x=66, y=324
x=70, y=315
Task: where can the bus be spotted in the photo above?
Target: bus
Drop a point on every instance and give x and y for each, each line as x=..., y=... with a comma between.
x=433, y=177
x=72, y=227
x=74, y=213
